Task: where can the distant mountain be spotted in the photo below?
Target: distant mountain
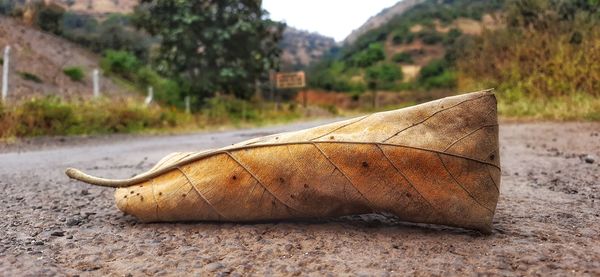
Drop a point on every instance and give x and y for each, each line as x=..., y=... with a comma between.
x=381, y=18
x=301, y=48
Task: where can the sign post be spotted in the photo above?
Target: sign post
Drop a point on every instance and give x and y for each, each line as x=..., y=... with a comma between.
x=150, y=96
x=292, y=80
x=5, y=64
x=96, y=80
x=188, y=108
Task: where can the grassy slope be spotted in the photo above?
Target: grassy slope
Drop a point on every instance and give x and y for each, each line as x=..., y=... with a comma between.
x=538, y=73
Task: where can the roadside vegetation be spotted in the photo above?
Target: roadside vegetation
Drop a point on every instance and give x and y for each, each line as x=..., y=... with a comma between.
x=53, y=116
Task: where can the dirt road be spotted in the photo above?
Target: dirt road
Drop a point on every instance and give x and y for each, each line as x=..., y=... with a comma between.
x=547, y=220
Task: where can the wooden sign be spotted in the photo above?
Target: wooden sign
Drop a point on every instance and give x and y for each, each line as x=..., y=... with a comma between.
x=290, y=80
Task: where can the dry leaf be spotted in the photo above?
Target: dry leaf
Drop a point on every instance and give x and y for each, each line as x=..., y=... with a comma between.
x=436, y=162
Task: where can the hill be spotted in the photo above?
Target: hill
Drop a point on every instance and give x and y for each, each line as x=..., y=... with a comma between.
x=381, y=18
x=302, y=48
x=402, y=41
x=38, y=60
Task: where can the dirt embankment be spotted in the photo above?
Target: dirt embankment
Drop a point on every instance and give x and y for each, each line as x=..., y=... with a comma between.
x=37, y=61
x=547, y=221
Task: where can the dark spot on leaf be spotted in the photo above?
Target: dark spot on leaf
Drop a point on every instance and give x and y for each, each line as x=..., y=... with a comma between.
x=281, y=180
x=125, y=196
x=331, y=137
x=233, y=177
x=273, y=202
x=492, y=157
x=292, y=196
x=183, y=195
x=141, y=198
x=365, y=164
x=160, y=193
x=305, y=186
x=276, y=137
x=408, y=194
x=137, y=193
x=131, y=192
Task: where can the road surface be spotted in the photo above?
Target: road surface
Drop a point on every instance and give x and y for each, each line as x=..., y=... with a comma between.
x=547, y=220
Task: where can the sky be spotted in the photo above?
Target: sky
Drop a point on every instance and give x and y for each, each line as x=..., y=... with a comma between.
x=332, y=18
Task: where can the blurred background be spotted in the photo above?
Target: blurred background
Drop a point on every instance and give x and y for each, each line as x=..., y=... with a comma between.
x=73, y=67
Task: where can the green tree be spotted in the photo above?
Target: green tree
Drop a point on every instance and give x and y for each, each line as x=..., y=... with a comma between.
x=212, y=46
x=369, y=56
x=382, y=76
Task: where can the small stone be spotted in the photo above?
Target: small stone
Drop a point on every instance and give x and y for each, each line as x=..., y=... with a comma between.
x=73, y=222
x=589, y=159
x=213, y=266
x=38, y=242
x=85, y=192
x=69, y=237
x=58, y=233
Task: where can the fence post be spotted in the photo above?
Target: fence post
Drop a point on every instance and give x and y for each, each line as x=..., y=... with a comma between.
x=150, y=96
x=5, y=64
x=187, y=105
x=96, y=79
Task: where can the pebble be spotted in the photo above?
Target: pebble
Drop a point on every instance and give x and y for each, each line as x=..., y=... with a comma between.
x=58, y=233
x=73, y=222
x=589, y=159
x=213, y=266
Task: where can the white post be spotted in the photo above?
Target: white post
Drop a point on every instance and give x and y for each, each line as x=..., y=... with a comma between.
x=150, y=96
x=187, y=105
x=5, y=64
x=96, y=77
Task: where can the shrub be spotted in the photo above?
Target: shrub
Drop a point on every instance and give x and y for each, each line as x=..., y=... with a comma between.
x=403, y=57
x=30, y=77
x=49, y=18
x=120, y=62
x=369, y=56
x=430, y=37
x=46, y=116
x=437, y=74
x=382, y=76
x=75, y=73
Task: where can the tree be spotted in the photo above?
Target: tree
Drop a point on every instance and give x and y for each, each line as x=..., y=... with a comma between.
x=382, y=75
x=212, y=45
